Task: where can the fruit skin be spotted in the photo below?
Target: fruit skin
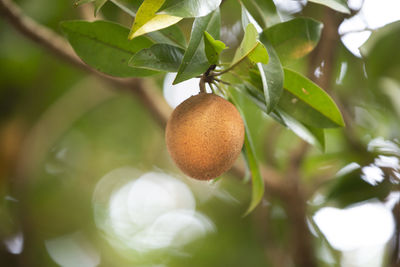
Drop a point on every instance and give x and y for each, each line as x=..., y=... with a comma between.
x=204, y=136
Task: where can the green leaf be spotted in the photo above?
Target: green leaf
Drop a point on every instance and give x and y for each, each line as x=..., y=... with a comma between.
x=145, y=13
x=308, y=103
x=195, y=61
x=172, y=35
x=259, y=54
x=271, y=76
x=256, y=178
x=263, y=11
x=160, y=57
x=191, y=8
x=349, y=188
x=313, y=136
x=250, y=157
x=98, y=4
x=250, y=47
x=375, y=51
x=103, y=45
x=213, y=48
x=338, y=5
x=128, y=6
x=146, y=19
x=295, y=38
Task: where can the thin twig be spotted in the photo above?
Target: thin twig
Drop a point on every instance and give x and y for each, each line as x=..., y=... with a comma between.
x=221, y=81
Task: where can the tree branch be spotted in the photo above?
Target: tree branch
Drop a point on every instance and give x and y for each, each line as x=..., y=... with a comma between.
x=60, y=48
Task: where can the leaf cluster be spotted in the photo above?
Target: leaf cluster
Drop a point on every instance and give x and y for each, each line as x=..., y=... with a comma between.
x=156, y=44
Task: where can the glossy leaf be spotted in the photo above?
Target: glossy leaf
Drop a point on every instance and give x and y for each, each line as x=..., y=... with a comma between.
x=308, y=103
x=195, y=61
x=156, y=23
x=271, y=76
x=160, y=57
x=98, y=4
x=104, y=46
x=191, y=8
x=263, y=11
x=172, y=35
x=250, y=157
x=213, y=48
x=250, y=47
x=311, y=135
x=146, y=19
x=145, y=13
x=338, y=5
x=295, y=38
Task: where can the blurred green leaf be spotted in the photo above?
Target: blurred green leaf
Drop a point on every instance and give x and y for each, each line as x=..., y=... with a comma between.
x=104, y=46
x=250, y=47
x=98, y=4
x=212, y=48
x=263, y=11
x=82, y=2
x=160, y=57
x=129, y=6
x=271, y=76
x=250, y=157
x=190, y=8
x=338, y=5
x=146, y=19
x=295, y=38
x=312, y=135
x=379, y=62
x=195, y=61
x=308, y=103
x=256, y=178
x=350, y=188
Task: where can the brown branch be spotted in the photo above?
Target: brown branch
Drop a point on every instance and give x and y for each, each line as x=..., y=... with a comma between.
x=296, y=208
x=60, y=48
x=36, y=32
x=296, y=202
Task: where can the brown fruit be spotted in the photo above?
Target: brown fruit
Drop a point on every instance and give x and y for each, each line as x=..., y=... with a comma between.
x=204, y=136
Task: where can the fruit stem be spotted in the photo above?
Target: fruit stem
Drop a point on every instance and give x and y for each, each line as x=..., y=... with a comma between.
x=206, y=77
x=202, y=85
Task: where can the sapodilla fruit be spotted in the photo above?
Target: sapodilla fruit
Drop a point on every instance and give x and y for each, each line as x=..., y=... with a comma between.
x=204, y=136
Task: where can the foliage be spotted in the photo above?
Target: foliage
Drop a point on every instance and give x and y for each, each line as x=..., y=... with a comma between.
x=248, y=52
x=301, y=100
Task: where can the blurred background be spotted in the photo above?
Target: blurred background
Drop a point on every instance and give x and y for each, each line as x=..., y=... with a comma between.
x=85, y=178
